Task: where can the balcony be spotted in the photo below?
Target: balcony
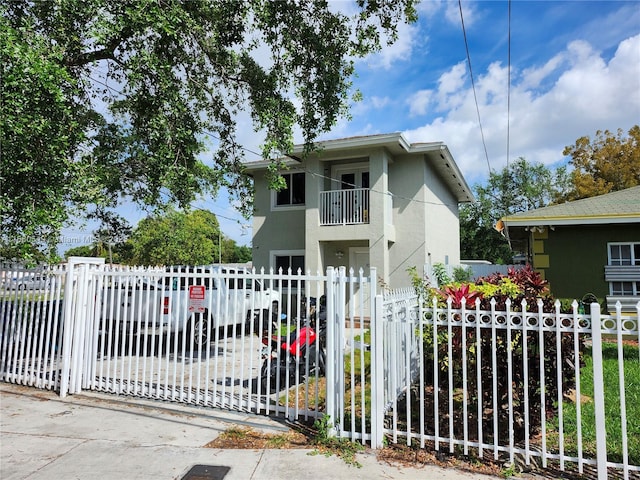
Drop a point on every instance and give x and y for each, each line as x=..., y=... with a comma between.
x=344, y=207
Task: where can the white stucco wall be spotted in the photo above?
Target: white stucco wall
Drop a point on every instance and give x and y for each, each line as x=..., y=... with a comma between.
x=442, y=225
x=421, y=227
x=406, y=183
x=274, y=229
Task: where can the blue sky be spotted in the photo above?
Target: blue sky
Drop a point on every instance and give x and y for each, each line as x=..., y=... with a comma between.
x=575, y=69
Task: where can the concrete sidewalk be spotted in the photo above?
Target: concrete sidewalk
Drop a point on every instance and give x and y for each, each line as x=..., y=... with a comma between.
x=104, y=437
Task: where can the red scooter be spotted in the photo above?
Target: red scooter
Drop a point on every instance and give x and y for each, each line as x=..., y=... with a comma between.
x=288, y=359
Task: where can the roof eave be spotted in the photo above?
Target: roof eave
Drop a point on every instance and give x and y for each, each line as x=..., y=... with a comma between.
x=453, y=175
x=582, y=220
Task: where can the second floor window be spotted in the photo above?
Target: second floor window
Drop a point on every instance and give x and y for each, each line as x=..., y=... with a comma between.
x=293, y=194
x=624, y=254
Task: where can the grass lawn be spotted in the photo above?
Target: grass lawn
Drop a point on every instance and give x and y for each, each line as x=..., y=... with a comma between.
x=356, y=397
x=355, y=402
x=613, y=421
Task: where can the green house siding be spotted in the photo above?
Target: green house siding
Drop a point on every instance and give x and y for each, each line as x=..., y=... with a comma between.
x=577, y=256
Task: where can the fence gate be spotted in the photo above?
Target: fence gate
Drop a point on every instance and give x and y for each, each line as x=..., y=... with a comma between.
x=86, y=326
x=41, y=311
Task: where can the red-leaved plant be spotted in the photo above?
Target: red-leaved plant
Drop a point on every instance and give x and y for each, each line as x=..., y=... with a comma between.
x=457, y=294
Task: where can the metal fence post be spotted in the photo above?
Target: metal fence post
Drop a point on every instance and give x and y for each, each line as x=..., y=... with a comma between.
x=72, y=320
x=67, y=330
x=332, y=345
x=598, y=392
x=340, y=319
x=377, y=374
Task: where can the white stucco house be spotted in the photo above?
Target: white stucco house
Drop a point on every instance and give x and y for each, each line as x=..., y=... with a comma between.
x=361, y=202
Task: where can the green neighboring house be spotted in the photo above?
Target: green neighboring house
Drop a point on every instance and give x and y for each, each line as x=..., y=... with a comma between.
x=585, y=246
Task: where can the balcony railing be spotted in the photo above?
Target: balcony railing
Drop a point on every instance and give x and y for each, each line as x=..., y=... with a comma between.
x=344, y=207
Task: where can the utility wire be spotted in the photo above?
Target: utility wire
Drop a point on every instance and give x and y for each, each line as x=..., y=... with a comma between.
x=473, y=85
x=509, y=87
x=387, y=193
x=318, y=175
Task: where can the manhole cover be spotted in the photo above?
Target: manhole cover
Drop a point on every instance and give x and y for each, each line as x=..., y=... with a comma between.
x=207, y=472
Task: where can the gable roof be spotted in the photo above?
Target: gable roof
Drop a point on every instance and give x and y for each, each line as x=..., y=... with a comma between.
x=622, y=206
x=437, y=152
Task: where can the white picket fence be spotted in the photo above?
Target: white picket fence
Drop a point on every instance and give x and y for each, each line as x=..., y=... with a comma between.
x=527, y=368
x=484, y=383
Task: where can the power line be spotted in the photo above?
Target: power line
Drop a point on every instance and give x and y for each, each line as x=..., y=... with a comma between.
x=473, y=85
x=387, y=193
x=509, y=86
x=409, y=199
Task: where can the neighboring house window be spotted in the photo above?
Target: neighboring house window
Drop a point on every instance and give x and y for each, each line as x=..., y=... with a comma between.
x=624, y=254
x=293, y=194
x=286, y=260
x=627, y=256
x=623, y=289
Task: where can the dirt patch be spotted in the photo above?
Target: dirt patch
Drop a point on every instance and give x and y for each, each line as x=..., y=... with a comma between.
x=304, y=438
x=402, y=455
x=247, y=438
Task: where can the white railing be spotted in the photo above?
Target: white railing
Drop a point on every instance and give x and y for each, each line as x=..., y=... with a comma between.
x=344, y=207
x=509, y=359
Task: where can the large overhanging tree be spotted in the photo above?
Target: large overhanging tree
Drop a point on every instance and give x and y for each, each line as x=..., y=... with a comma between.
x=104, y=100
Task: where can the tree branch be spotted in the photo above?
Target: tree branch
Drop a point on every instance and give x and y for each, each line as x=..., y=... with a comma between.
x=106, y=53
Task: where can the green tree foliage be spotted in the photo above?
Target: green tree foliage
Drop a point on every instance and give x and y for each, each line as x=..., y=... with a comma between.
x=234, y=253
x=518, y=187
x=176, y=238
x=83, y=251
x=39, y=137
x=608, y=163
x=138, y=99
x=478, y=239
x=170, y=238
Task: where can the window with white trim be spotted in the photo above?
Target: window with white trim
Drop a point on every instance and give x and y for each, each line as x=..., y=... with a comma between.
x=621, y=254
x=293, y=194
x=285, y=260
x=624, y=289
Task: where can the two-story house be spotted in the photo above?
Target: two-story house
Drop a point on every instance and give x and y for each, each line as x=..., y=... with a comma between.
x=360, y=202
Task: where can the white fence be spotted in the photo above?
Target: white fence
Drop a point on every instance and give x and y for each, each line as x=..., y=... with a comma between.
x=517, y=385
x=475, y=270
x=521, y=385
x=136, y=331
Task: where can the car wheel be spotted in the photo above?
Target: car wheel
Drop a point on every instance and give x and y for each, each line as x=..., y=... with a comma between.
x=199, y=326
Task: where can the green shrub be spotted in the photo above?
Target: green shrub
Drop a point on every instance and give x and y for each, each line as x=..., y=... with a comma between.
x=440, y=272
x=517, y=350
x=462, y=274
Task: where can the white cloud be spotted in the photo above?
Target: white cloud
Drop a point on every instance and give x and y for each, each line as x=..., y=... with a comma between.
x=401, y=49
x=419, y=102
x=379, y=102
x=449, y=86
x=434, y=8
x=583, y=93
x=532, y=77
x=452, y=13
